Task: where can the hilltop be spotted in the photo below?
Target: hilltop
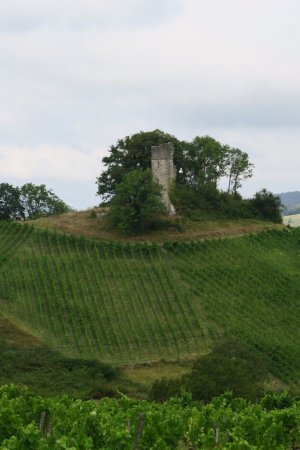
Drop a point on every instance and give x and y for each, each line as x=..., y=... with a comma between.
x=87, y=224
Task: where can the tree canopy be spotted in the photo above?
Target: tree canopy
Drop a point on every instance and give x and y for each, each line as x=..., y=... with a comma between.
x=202, y=166
x=137, y=202
x=200, y=163
x=268, y=205
x=39, y=201
x=29, y=201
x=11, y=206
x=205, y=161
x=130, y=153
x=228, y=367
x=238, y=167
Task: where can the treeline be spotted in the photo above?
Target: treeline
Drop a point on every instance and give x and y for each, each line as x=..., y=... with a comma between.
x=135, y=198
x=29, y=201
x=201, y=163
x=213, y=203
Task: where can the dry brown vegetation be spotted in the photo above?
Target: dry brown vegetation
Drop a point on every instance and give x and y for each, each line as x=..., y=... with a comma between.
x=86, y=223
x=14, y=334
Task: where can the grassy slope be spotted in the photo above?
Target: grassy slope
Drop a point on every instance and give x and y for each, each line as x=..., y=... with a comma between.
x=128, y=304
x=85, y=224
x=24, y=359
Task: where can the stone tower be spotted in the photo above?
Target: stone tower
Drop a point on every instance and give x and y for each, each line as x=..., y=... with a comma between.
x=163, y=170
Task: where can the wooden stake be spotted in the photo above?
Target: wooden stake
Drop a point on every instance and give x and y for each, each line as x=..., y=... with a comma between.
x=139, y=430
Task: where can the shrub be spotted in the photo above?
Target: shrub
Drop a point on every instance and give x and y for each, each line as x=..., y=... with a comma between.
x=137, y=203
x=267, y=205
x=229, y=367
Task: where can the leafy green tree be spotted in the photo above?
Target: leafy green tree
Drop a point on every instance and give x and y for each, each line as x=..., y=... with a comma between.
x=200, y=165
x=217, y=373
x=134, y=152
x=204, y=162
x=39, y=201
x=238, y=167
x=267, y=205
x=11, y=206
x=137, y=203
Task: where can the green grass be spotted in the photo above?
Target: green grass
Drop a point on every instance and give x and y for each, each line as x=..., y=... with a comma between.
x=138, y=378
x=125, y=303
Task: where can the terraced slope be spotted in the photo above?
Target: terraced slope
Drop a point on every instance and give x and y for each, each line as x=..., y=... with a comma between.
x=136, y=302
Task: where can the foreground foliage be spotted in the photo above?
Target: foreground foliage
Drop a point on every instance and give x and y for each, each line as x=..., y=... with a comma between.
x=28, y=421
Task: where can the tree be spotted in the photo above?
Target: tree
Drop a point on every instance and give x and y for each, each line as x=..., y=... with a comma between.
x=39, y=201
x=238, y=167
x=204, y=162
x=267, y=205
x=200, y=165
x=218, y=372
x=10, y=203
x=137, y=202
x=229, y=367
x=134, y=152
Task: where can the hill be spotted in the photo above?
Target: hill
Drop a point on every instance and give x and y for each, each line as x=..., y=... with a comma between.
x=291, y=202
x=128, y=303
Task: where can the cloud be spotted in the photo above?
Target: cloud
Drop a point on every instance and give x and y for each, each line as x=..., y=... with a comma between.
x=78, y=14
x=76, y=76
x=61, y=163
x=274, y=152
x=70, y=172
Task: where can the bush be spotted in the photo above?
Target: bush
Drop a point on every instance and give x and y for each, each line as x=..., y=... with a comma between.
x=277, y=400
x=48, y=372
x=267, y=205
x=229, y=367
x=210, y=203
x=137, y=203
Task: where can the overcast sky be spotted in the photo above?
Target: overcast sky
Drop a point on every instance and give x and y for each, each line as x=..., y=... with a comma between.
x=76, y=75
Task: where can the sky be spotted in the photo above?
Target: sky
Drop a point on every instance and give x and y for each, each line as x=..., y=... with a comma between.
x=77, y=75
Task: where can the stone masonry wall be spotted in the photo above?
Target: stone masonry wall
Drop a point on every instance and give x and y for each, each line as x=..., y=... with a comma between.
x=163, y=169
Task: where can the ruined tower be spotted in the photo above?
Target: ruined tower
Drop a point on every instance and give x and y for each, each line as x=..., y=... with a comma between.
x=163, y=170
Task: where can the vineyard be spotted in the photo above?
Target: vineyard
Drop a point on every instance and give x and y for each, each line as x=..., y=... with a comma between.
x=34, y=423
x=124, y=303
